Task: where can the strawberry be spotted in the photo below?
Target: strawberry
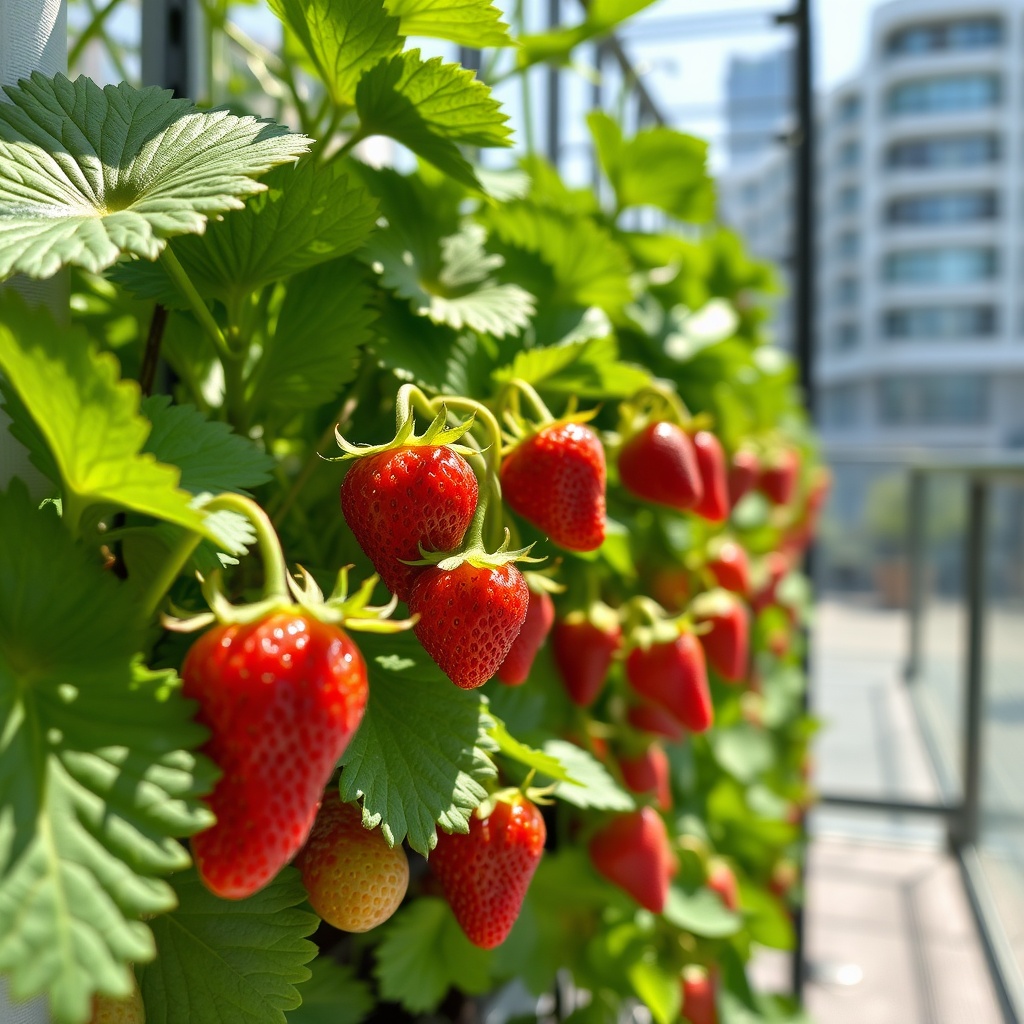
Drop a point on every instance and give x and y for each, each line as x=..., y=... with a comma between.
x=776, y=566
x=727, y=639
x=722, y=881
x=659, y=465
x=730, y=567
x=655, y=719
x=779, y=477
x=744, y=472
x=485, y=874
x=584, y=644
x=671, y=587
x=401, y=499
x=555, y=479
x=469, y=617
x=632, y=851
x=540, y=615
x=354, y=880
x=648, y=773
x=109, y=1010
x=282, y=697
x=672, y=674
x=714, y=505
x=784, y=878
x=698, y=991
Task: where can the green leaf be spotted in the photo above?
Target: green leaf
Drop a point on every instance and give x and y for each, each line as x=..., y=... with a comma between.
x=236, y=960
x=311, y=213
x=585, y=266
x=766, y=919
x=475, y=23
x=463, y=293
x=557, y=44
x=431, y=107
x=655, y=987
x=416, y=759
x=593, y=786
x=87, y=174
x=424, y=953
x=333, y=995
x=657, y=167
x=211, y=457
x=414, y=348
x=89, y=419
x=344, y=39
x=324, y=322
x=701, y=912
x=743, y=750
x=587, y=369
x=97, y=774
x=542, y=762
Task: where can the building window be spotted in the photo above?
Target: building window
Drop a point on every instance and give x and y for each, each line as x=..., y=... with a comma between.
x=964, y=34
x=934, y=400
x=848, y=199
x=952, y=151
x=944, y=95
x=840, y=407
x=849, y=109
x=939, y=323
x=846, y=336
x=847, y=291
x=848, y=155
x=847, y=244
x=942, y=208
x=953, y=265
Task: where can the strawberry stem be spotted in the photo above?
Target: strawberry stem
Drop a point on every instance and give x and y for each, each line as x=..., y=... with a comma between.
x=275, y=570
x=516, y=388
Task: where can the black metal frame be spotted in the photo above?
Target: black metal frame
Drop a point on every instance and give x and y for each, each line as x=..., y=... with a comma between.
x=961, y=808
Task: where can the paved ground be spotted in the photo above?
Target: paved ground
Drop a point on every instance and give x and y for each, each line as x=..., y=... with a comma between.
x=891, y=939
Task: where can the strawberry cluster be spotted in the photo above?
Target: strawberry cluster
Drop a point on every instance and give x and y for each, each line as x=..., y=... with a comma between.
x=642, y=661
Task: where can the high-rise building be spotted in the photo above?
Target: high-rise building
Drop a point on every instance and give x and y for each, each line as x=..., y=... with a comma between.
x=758, y=103
x=920, y=332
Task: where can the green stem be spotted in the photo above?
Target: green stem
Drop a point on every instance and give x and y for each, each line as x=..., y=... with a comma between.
x=542, y=412
x=156, y=589
x=275, y=571
x=409, y=398
x=93, y=29
x=177, y=274
x=350, y=143
x=234, y=393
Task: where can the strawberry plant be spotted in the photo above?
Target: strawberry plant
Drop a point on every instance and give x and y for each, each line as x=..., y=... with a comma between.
x=374, y=615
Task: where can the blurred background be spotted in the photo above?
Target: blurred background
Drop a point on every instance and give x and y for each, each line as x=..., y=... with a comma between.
x=908, y=322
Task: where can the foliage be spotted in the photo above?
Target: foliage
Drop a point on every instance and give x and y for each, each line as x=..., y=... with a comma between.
x=290, y=289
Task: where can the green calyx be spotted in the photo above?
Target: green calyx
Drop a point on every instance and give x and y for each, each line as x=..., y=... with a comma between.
x=518, y=427
x=283, y=592
x=437, y=433
x=648, y=624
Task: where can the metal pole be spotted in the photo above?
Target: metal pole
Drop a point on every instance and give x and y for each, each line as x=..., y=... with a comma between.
x=803, y=318
x=975, y=584
x=917, y=511
x=554, y=119
x=172, y=45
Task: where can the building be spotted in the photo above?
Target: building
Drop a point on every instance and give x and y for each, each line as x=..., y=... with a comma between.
x=758, y=103
x=920, y=333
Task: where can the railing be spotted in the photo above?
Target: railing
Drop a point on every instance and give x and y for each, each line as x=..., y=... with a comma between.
x=966, y=717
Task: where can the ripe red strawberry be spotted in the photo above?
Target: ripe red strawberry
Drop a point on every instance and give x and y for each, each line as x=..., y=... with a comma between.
x=555, y=479
x=744, y=472
x=281, y=697
x=632, y=851
x=659, y=465
x=722, y=881
x=727, y=640
x=648, y=773
x=730, y=567
x=779, y=476
x=402, y=498
x=354, y=880
x=469, y=618
x=583, y=645
x=673, y=675
x=714, y=505
x=655, y=719
x=698, y=990
x=784, y=878
x=108, y=1010
x=776, y=565
x=486, y=873
x=540, y=615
